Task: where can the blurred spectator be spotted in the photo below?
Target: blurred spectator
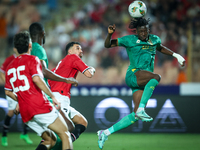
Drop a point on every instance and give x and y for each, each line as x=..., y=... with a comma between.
x=106, y=59
x=181, y=76
x=3, y=32
x=52, y=4
x=12, y=29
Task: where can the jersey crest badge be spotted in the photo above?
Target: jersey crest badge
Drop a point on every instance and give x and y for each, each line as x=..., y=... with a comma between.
x=138, y=41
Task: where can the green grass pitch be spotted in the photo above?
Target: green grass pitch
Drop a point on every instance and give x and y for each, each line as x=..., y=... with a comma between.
x=118, y=141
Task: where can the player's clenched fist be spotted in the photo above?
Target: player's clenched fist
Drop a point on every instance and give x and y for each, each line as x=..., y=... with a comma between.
x=111, y=29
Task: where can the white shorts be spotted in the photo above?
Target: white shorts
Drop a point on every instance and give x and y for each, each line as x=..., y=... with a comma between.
x=65, y=105
x=11, y=103
x=40, y=122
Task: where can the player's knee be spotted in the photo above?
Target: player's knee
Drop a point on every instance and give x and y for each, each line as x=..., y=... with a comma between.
x=157, y=77
x=67, y=134
x=84, y=122
x=63, y=135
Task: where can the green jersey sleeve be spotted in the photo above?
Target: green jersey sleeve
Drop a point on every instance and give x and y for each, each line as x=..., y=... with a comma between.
x=158, y=41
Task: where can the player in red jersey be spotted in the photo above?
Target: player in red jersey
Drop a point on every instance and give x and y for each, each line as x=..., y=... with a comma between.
x=11, y=106
x=24, y=84
x=69, y=67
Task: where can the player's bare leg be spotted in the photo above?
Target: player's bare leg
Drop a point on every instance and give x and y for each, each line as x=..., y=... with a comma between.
x=60, y=128
x=80, y=125
x=149, y=81
x=68, y=121
x=70, y=126
x=143, y=77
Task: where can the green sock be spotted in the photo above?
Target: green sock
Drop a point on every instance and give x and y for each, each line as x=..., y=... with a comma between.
x=148, y=91
x=123, y=123
x=58, y=145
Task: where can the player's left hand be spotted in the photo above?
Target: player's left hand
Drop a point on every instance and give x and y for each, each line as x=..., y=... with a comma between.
x=16, y=110
x=72, y=81
x=111, y=29
x=180, y=59
x=56, y=103
x=183, y=65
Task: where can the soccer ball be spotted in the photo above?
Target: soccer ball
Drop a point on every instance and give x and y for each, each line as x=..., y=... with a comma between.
x=137, y=9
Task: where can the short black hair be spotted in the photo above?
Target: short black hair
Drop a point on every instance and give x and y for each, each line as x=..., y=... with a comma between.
x=138, y=22
x=69, y=45
x=21, y=41
x=35, y=29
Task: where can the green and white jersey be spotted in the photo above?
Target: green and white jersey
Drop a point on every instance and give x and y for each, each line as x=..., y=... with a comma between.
x=39, y=51
x=141, y=54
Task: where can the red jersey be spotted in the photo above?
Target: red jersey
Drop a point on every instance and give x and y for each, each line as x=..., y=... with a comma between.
x=67, y=67
x=31, y=99
x=7, y=62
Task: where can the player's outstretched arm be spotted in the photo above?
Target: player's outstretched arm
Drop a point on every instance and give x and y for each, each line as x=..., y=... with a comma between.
x=108, y=42
x=167, y=51
x=52, y=76
x=90, y=72
x=42, y=85
x=72, y=81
